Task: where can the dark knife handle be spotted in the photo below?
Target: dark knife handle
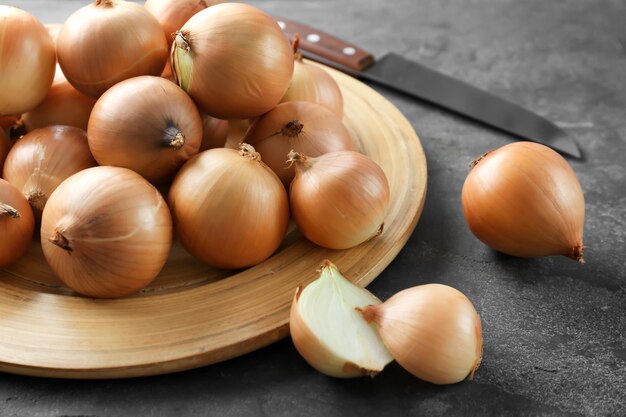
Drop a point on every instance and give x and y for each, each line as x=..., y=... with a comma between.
x=327, y=46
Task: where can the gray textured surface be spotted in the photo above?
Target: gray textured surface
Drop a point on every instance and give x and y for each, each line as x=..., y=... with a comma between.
x=555, y=331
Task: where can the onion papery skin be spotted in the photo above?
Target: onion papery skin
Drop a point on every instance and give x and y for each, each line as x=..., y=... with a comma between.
x=214, y=133
x=147, y=124
x=525, y=200
x=109, y=41
x=63, y=105
x=42, y=159
x=27, y=61
x=17, y=224
x=229, y=209
x=307, y=128
x=233, y=60
x=432, y=330
x=314, y=84
x=106, y=232
x=339, y=200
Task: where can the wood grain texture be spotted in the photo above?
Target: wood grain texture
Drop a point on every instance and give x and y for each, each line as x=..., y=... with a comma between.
x=193, y=315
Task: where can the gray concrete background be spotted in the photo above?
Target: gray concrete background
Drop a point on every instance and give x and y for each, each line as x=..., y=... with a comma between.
x=555, y=331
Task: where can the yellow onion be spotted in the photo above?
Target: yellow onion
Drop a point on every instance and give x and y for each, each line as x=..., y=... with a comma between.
x=307, y=128
x=44, y=158
x=214, y=133
x=147, y=124
x=17, y=224
x=432, y=331
x=230, y=210
x=339, y=199
x=107, y=42
x=234, y=61
x=106, y=232
x=524, y=199
x=63, y=105
x=329, y=333
x=27, y=61
x=312, y=83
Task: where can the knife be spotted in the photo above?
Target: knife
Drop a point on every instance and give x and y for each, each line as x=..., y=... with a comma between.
x=417, y=80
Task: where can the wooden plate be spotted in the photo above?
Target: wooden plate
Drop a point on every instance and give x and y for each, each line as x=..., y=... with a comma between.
x=193, y=315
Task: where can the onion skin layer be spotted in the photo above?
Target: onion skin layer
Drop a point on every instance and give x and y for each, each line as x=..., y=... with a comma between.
x=230, y=210
x=525, y=200
x=17, y=224
x=26, y=63
x=5, y=146
x=109, y=41
x=147, y=124
x=433, y=331
x=106, y=232
x=234, y=61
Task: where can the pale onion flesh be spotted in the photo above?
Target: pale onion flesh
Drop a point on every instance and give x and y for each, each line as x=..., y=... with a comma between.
x=17, y=224
x=338, y=200
x=42, y=159
x=230, y=210
x=329, y=333
x=147, y=124
x=106, y=232
x=234, y=61
x=307, y=128
x=433, y=331
x=109, y=41
x=27, y=61
x=525, y=200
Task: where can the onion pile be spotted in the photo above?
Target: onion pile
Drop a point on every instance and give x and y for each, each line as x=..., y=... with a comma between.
x=107, y=42
x=27, y=61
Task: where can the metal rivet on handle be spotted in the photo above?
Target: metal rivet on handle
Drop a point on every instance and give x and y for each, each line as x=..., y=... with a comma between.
x=281, y=24
x=313, y=37
x=348, y=50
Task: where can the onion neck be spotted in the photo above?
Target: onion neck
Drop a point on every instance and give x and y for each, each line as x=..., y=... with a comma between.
x=292, y=129
x=302, y=161
x=477, y=160
x=104, y=3
x=173, y=137
x=369, y=313
x=247, y=151
x=181, y=60
x=576, y=253
x=17, y=130
x=60, y=240
x=9, y=211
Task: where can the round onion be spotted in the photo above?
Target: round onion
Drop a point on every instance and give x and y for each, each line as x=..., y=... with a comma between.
x=524, y=199
x=307, y=128
x=230, y=210
x=17, y=224
x=107, y=42
x=339, y=199
x=27, y=61
x=147, y=124
x=64, y=105
x=43, y=158
x=106, y=232
x=234, y=61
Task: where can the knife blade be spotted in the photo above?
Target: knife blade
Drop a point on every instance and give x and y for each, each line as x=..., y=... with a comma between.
x=417, y=80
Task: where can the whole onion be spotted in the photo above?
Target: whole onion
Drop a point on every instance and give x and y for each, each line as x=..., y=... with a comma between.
x=234, y=61
x=27, y=61
x=106, y=232
x=107, y=42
